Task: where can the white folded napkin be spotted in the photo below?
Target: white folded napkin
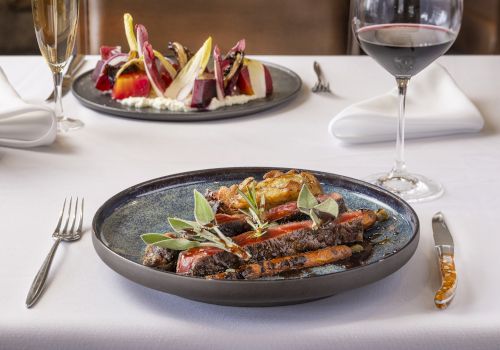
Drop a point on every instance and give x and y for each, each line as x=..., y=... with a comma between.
x=21, y=124
x=434, y=106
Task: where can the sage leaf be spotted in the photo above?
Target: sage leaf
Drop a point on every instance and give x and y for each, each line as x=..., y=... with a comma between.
x=181, y=225
x=316, y=220
x=306, y=200
x=203, y=213
x=177, y=243
x=151, y=238
x=329, y=206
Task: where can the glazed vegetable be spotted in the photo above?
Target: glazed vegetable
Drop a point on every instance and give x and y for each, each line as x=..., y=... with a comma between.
x=284, y=240
x=276, y=266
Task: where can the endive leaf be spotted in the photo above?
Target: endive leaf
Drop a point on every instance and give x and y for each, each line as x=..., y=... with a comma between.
x=129, y=31
x=183, y=83
x=166, y=63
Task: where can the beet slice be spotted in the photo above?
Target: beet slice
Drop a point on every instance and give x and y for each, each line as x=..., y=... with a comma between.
x=269, y=81
x=134, y=84
x=203, y=92
x=244, y=82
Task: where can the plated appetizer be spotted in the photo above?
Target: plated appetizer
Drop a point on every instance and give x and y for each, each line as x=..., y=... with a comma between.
x=258, y=229
x=205, y=80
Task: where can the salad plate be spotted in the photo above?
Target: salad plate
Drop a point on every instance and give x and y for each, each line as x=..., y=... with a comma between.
x=121, y=220
x=287, y=85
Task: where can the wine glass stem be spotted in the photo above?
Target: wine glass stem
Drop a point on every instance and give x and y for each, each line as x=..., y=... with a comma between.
x=399, y=163
x=58, y=108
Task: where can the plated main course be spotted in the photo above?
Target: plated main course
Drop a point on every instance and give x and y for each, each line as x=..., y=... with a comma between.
x=205, y=80
x=274, y=227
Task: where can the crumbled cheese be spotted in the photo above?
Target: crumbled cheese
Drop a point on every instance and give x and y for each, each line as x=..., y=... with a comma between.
x=230, y=100
x=164, y=103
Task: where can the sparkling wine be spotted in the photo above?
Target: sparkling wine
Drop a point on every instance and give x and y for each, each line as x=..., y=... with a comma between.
x=405, y=49
x=55, y=27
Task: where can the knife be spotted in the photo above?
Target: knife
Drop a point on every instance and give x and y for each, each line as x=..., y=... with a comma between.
x=75, y=63
x=445, y=249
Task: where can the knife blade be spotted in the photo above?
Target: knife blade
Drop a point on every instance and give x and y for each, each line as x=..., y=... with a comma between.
x=75, y=63
x=446, y=252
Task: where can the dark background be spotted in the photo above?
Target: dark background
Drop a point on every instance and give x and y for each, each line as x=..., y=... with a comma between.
x=270, y=26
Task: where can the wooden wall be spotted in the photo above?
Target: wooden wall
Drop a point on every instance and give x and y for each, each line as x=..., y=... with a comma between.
x=269, y=26
x=480, y=29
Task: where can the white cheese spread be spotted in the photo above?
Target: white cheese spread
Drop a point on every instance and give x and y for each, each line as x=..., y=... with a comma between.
x=164, y=103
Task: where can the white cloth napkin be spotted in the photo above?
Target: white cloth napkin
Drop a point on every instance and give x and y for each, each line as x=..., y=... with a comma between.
x=434, y=106
x=23, y=125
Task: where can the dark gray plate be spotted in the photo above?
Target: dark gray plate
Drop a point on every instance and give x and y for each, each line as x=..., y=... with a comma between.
x=286, y=85
x=144, y=208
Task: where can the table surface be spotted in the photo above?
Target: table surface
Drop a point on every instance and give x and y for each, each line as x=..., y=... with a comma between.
x=87, y=305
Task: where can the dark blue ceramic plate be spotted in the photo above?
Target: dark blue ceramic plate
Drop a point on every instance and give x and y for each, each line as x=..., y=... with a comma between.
x=286, y=84
x=144, y=208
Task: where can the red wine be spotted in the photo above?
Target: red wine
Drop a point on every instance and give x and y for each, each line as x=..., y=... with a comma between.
x=405, y=49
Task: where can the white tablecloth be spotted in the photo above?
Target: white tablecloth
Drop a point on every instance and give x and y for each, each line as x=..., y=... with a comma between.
x=87, y=305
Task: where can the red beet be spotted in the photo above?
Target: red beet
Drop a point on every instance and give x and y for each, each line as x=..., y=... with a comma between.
x=244, y=82
x=131, y=84
x=269, y=81
x=109, y=51
x=203, y=92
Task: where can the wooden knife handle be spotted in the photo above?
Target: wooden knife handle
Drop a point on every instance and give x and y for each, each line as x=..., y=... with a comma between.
x=448, y=281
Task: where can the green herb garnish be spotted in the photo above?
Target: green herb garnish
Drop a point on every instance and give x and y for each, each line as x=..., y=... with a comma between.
x=255, y=211
x=308, y=204
x=203, y=232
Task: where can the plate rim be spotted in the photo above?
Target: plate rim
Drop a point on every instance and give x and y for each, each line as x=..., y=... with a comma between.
x=97, y=239
x=169, y=116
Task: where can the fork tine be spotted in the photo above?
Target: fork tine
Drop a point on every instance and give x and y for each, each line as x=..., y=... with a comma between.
x=74, y=217
x=59, y=221
x=65, y=230
x=80, y=219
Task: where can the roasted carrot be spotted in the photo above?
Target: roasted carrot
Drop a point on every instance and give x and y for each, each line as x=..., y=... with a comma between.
x=275, y=266
x=368, y=217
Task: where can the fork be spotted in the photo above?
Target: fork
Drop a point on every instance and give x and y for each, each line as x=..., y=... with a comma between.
x=322, y=85
x=67, y=235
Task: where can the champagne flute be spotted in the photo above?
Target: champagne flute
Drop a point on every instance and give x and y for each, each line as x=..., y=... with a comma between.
x=55, y=27
x=404, y=37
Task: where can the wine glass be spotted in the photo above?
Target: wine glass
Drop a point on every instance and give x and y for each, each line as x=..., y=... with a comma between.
x=55, y=27
x=404, y=37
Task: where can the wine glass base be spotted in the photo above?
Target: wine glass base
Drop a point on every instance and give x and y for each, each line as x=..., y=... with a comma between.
x=412, y=188
x=68, y=124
